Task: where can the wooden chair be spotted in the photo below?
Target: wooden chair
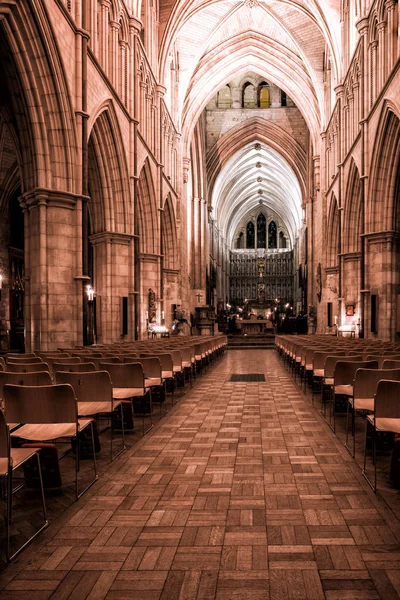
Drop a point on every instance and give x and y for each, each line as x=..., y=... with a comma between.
x=343, y=379
x=167, y=369
x=128, y=383
x=12, y=459
x=22, y=360
x=386, y=417
x=93, y=392
x=364, y=388
x=48, y=413
x=28, y=368
x=81, y=367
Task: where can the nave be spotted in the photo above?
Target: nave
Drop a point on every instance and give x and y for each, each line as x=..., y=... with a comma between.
x=241, y=491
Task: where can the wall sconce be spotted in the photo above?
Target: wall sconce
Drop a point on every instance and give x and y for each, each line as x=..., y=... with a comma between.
x=90, y=293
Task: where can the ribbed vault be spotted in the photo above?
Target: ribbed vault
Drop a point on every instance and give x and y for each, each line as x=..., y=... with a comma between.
x=253, y=169
x=284, y=41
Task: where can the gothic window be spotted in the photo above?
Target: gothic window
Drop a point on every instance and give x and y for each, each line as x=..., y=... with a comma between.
x=263, y=95
x=282, y=240
x=239, y=241
x=272, y=235
x=261, y=232
x=248, y=96
x=250, y=235
x=224, y=97
x=283, y=98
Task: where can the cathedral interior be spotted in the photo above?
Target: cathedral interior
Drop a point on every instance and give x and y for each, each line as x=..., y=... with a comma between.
x=199, y=170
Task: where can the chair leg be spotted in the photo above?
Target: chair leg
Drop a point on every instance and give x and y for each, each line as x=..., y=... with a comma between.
x=77, y=465
x=9, y=512
x=122, y=435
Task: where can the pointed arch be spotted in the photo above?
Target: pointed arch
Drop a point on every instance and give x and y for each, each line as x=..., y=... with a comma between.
x=147, y=212
x=385, y=163
x=353, y=226
x=170, y=238
x=333, y=234
x=108, y=174
x=35, y=93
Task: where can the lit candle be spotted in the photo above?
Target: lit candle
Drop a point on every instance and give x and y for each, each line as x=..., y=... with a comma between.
x=335, y=318
x=162, y=315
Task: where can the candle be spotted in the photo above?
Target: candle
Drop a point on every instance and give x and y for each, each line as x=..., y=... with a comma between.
x=335, y=320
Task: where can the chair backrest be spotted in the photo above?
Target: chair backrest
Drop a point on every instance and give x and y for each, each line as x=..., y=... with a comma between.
x=387, y=403
x=85, y=367
x=45, y=355
x=5, y=446
x=151, y=367
x=345, y=370
x=22, y=360
x=127, y=375
x=71, y=360
x=167, y=363
x=28, y=368
x=389, y=363
x=40, y=405
x=88, y=386
x=320, y=357
x=19, y=355
x=28, y=379
x=366, y=380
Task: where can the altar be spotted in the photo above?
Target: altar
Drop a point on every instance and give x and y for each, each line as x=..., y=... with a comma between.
x=255, y=326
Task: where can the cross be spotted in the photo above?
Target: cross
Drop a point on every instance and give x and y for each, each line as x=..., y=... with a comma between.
x=199, y=296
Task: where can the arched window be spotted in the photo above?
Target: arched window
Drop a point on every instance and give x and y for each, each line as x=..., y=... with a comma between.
x=248, y=96
x=282, y=240
x=224, y=97
x=263, y=95
x=283, y=98
x=239, y=241
x=250, y=235
x=261, y=232
x=272, y=235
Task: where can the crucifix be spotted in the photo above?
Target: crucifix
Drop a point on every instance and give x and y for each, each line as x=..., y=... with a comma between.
x=199, y=297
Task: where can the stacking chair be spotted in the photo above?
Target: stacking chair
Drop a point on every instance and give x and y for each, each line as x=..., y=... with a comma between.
x=48, y=413
x=28, y=368
x=128, y=383
x=23, y=360
x=391, y=364
x=386, y=417
x=81, y=367
x=318, y=366
x=167, y=369
x=343, y=379
x=12, y=459
x=153, y=379
x=364, y=388
x=19, y=355
x=93, y=392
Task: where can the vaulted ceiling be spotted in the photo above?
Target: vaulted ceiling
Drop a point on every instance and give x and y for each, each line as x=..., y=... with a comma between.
x=284, y=41
x=255, y=174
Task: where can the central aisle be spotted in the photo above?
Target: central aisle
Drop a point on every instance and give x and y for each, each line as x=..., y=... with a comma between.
x=241, y=492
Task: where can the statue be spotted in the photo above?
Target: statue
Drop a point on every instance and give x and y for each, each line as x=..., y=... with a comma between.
x=152, y=306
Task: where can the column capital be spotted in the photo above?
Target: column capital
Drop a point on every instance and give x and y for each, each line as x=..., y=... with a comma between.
x=362, y=26
x=43, y=196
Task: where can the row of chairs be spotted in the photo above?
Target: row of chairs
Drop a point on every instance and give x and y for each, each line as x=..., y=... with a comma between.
x=48, y=396
x=363, y=373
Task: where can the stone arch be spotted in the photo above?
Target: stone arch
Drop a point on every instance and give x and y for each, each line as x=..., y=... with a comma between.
x=36, y=97
x=383, y=172
x=147, y=212
x=108, y=174
x=353, y=225
x=333, y=234
x=170, y=238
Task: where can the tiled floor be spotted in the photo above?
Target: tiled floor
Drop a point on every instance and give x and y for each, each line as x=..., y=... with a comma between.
x=242, y=491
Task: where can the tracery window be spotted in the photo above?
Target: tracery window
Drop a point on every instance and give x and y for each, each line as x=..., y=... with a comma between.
x=272, y=235
x=250, y=237
x=261, y=232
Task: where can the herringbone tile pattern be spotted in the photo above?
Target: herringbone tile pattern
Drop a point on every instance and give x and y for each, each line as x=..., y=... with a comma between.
x=242, y=491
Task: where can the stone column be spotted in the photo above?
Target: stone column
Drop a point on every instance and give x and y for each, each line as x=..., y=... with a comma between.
x=53, y=269
x=113, y=75
x=112, y=281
